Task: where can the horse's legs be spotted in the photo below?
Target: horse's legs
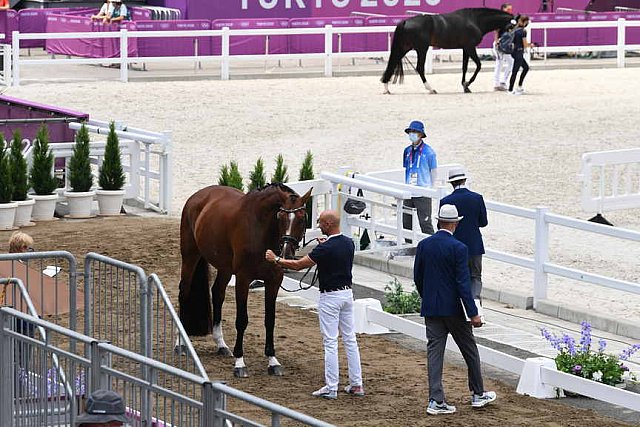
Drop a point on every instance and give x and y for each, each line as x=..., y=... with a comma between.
x=474, y=55
x=218, y=293
x=271, y=293
x=465, y=65
x=394, y=64
x=422, y=57
x=242, y=319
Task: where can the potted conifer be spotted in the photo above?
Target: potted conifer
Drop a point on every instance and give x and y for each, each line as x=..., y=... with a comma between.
x=111, y=176
x=7, y=207
x=20, y=180
x=257, y=177
x=41, y=178
x=80, y=197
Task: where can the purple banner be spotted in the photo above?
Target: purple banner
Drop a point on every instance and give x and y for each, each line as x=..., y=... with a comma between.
x=378, y=41
x=252, y=45
x=560, y=37
x=8, y=23
x=140, y=14
x=315, y=43
x=173, y=46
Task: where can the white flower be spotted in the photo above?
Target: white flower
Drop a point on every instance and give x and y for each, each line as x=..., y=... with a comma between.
x=597, y=376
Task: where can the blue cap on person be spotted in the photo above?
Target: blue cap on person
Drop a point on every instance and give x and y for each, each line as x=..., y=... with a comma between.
x=103, y=406
x=416, y=126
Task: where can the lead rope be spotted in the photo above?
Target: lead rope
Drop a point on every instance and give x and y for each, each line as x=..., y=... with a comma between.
x=313, y=279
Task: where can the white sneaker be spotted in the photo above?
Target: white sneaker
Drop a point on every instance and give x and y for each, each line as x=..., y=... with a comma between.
x=480, y=400
x=520, y=90
x=515, y=92
x=442, y=408
x=325, y=393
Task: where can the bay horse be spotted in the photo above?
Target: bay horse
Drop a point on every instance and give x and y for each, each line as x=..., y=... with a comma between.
x=462, y=29
x=231, y=231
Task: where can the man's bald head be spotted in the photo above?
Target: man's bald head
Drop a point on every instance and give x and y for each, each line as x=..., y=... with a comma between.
x=329, y=222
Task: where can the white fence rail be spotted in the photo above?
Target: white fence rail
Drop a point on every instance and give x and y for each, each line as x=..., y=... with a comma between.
x=610, y=180
x=225, y=58
x=389, y=195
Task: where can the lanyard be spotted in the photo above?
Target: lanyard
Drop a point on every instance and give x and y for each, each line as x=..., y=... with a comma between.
x=412, y=150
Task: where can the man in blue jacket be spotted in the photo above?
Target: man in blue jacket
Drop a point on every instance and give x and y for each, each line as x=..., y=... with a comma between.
x=441, y=275
x=471, y=206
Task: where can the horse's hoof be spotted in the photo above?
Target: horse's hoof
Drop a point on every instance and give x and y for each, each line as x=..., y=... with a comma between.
x=386, y=92
x=180, y=350
x=276, y=370
x=241, y=372
x=433, y=92
x=467, y=90
x=224, y=351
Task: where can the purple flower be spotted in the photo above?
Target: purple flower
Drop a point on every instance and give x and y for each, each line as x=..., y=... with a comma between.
x=570, y=344
x=553, y=340
x=602, y=344
x=576, y=369
x=624, y=368
x=626, y=354
x=585, y=337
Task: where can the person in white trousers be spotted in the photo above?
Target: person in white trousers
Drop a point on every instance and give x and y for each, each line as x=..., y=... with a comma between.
x=334, y=259
x=504, y=62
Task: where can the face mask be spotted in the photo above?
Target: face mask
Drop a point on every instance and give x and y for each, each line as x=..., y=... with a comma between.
x=414, y=137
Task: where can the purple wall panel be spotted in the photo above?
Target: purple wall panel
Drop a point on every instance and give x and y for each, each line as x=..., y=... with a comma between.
x=379, y=41
x=139, y=14
x=9, y=22
x=173, y=46
x=110, y=48
x=314, y=43
x=73, y=47
x=602, y=36
x=154, y=46
x=14, y=108
x=560, y=37
x=251, y=45
x=633, y=34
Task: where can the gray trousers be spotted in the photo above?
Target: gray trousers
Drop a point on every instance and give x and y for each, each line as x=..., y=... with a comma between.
x=437, y=330
x=423, y=206
x=475, y=269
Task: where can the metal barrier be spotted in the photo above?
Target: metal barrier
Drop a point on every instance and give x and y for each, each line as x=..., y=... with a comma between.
x=610, y=180
x=30, y=394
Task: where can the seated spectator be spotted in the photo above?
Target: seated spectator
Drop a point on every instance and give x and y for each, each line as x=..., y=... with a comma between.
x=20, y=242
x=103, y=408
x=4, y=5
x=105, y=10
x=119, y=12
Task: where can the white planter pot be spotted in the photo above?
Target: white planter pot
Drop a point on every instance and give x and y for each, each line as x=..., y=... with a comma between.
x=7, y=215
x=79, y=203
x=23, y=213
x=44, y=208
x=110, y=201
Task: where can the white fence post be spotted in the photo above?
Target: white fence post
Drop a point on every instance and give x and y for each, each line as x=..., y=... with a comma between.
x=124, y=53
x=224, y=64
x=540, y=278
x=399, y=225
x=166, y=174
x=328, y=50
x=15, y=55
x=621, y=42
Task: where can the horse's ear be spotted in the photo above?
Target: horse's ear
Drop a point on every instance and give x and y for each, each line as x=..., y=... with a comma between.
x=306, y=196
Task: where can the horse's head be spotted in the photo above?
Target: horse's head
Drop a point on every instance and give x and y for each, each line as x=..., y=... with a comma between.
x=291, y=222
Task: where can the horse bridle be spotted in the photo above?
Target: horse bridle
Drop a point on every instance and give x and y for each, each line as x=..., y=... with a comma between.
x=287, y=238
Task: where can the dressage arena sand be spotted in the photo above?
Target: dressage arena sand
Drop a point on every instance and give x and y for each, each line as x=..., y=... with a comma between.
x=520, y=150
x=395, y=376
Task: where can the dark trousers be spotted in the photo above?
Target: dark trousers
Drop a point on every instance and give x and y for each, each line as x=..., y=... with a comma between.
x=475, y=269
x=518, y=61
x=423, y=206
x=437, y=330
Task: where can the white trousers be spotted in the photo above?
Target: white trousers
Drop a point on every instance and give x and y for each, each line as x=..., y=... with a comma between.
x=335, y=311
x=504, y=65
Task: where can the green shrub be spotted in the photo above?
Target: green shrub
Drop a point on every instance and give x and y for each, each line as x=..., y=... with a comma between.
x=281, y=174
x=400, y=302
x=6, y=186
x=111, y=175
x=19, y=175
x=257, y=177
x=235, y=178
x=41, y=177
x=223, y=179
x=79, y=167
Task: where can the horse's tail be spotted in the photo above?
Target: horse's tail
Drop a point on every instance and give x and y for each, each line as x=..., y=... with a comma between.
x=398, y=50
x=195, y=301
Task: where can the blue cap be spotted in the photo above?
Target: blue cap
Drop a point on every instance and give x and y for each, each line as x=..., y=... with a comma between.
x=416, y=126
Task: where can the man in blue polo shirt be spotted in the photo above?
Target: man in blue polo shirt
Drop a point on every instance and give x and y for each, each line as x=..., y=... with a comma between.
x=334, y=258
x=420, y=164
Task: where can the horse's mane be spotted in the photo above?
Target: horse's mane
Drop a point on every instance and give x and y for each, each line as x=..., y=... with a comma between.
x=279, y=185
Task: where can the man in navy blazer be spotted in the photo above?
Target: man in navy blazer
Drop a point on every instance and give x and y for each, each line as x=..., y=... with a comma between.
x=441, y=275
x=471, y=206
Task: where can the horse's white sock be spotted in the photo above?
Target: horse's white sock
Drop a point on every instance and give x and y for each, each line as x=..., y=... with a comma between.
x=273, y=361
x=217, y=336
x=428, y=86
x=240, y=362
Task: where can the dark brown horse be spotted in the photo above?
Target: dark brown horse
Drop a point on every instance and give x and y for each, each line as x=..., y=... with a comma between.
x=462, y=29
x=231, y=231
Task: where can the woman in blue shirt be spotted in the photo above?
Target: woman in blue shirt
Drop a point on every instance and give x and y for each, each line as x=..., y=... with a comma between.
x=519, y=44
